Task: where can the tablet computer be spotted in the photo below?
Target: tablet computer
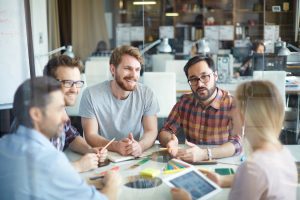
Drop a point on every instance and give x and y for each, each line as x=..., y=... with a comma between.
x=193, y=181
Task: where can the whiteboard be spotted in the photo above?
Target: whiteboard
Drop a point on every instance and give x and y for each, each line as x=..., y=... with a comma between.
x=14, y=62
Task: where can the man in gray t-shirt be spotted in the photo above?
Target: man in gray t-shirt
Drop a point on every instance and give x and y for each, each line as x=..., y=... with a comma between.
x=121, y=108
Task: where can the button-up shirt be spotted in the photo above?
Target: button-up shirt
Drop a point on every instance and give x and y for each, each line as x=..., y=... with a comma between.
x=209, y=125
x=66, y=138
x=31, y=168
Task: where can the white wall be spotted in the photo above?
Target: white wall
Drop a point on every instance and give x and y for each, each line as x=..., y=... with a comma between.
x=38, y=9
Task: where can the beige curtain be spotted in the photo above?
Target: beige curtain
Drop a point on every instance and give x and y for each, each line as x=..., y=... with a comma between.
x=53, y=25
x=88, y=26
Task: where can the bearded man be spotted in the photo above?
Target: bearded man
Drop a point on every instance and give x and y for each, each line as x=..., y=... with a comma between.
x=121, y=108
x=205, y=116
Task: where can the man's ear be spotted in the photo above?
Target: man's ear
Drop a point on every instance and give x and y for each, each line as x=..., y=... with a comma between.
x=35, y=114
x=112, y=70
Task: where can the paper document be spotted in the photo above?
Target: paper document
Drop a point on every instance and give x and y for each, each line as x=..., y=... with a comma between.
x=116, y=157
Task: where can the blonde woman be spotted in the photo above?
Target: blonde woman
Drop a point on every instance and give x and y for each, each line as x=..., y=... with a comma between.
x=270, y=171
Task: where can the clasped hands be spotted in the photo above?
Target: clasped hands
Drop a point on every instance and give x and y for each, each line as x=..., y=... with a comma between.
x=129, y=146
x=191, y=154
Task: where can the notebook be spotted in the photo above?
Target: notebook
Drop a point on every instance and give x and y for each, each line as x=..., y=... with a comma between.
x=116, y=157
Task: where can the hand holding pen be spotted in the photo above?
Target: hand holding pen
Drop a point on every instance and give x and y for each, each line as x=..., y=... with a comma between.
x=172, y=145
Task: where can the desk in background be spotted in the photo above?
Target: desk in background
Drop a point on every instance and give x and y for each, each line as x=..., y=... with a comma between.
x=163, y=191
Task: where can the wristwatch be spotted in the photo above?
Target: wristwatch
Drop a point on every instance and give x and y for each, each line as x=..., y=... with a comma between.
x=209, y=154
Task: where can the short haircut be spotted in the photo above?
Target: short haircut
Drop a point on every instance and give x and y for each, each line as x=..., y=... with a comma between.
x=197, y=59
x=262, y=108
x=61, y=61
x=116, y=56
x=32, y=93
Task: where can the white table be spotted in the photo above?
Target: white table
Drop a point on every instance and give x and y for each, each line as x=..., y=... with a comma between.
x=163, y=191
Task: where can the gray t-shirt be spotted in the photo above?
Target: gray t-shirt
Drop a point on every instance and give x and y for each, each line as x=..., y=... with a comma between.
x=266, y=175
x=117, y=118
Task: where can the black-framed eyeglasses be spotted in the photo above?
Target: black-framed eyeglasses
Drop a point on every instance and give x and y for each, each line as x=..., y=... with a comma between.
x=203, y=78
x=70, y=83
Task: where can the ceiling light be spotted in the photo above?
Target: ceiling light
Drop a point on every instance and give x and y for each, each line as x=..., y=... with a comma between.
x=144, y=2
x=173, y=14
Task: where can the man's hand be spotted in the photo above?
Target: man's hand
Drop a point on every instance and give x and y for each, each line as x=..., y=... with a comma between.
x=172, y=145
x=192, y=154
x=134, y=148
x=112, y=181
x=122, y=146
x=101, y=153
x=224, y=181
x=87, y=162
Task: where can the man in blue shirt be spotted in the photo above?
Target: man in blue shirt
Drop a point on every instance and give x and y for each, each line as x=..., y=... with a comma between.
x=31, y=167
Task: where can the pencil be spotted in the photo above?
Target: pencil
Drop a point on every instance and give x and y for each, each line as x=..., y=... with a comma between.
x=108, y=143
x=96, y=177
x=165, y=149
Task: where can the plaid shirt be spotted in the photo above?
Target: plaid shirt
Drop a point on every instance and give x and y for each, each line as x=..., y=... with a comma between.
x=68, y=136
x=211, y=125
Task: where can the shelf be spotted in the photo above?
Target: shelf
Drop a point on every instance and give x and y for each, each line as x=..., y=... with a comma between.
x=249, y=11
x=218, y=10
x=281, y=12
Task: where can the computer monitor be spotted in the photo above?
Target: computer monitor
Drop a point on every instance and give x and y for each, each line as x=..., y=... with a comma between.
x=268, y=62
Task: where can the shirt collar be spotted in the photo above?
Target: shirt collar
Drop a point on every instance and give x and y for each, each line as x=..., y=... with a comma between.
x=216, y=103
x=34, y=135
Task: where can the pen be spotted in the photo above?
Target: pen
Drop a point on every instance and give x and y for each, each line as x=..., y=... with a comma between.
x=139, y=163
x=96, y=177
x=165, y=149
x=206, y=162
x=115, y=168
x=108, y=143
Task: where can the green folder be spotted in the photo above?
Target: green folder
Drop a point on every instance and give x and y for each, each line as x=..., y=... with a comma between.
x=224, y=171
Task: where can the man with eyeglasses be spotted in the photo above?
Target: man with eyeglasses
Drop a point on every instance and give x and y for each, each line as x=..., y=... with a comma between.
x=205, y=116
x=67, y=71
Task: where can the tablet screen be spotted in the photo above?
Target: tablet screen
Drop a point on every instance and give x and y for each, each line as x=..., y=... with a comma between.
x=196, y=185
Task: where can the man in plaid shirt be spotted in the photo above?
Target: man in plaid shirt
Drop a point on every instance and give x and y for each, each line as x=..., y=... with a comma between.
x=67, y=71
x=205, y=115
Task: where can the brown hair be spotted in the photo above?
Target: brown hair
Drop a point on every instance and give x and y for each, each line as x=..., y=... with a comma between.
x=256, y=44
x=116, y=56
x=197, y=59
x=33, y=92
x=61, y=61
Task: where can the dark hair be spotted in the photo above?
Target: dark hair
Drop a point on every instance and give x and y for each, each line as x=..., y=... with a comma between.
x=32, y=93
x=118, y=52
x=61, y=61
x=256, y=44
x=197, y=59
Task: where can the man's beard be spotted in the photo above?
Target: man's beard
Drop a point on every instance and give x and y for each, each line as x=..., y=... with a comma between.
x=123, y=85
x=210, y=92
